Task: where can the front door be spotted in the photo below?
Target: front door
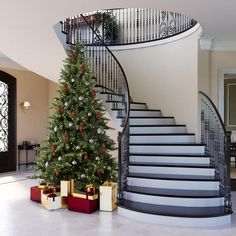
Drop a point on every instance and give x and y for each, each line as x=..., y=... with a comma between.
x=7, y=122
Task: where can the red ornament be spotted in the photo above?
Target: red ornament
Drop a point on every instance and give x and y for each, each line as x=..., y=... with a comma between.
x=65, y=88
x=82, y=69
x=57, y=172
x=85, y=157
x=73, y=57
x=81, y=128
x=59, y=110
x=65, y=138
x=53, y=148
x=104, y=149
x=98, y=171
x=93, y=93
x=73, y=113
x=97, y=114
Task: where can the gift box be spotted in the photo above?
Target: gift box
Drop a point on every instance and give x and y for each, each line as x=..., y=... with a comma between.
x=108, y=196
x=37, y=191
x=35, y=194
x=65, y=188
x=53, y=201
x=82, y=205
x=85, y=195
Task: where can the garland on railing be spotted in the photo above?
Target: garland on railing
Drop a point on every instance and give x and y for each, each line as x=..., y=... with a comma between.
x=217, y=141
x=129, y=26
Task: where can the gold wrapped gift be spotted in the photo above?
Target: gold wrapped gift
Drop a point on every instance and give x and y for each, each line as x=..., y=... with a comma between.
x=53, y=201
x=108, y=196
x=65, y=188
x=80, y=194
x=90, y=189
x=43, y=186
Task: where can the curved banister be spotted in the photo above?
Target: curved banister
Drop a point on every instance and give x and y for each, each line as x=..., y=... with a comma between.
x=111, y=78
x=125, y=79
x=215, y=110
x=217, y=145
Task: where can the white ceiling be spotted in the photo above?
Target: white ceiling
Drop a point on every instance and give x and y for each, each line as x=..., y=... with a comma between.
x=28, y=38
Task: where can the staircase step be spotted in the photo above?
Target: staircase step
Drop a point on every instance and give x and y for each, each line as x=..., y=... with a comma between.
x=162, y=138
x=174, y=170
x=173, y=200
x=213, y=221
x=182, y=193
x=173, y=182
x=165, y=129
x=172, y=176
x=138, y=105
x=145, y=113
x=151, y=120
x=166, y=164
x=166, y=148
x=177, y=211
x=170, y=159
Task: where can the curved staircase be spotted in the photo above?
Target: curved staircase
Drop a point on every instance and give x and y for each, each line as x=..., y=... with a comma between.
x=165, y=177
x=170, y=179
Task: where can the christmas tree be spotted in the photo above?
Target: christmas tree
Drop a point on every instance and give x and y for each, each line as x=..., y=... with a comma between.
x=77, y=146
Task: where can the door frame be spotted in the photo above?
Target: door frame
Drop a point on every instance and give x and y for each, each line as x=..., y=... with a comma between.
x=11, y=82
x=222, y=73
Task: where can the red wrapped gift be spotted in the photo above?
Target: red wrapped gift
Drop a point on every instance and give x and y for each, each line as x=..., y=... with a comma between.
x=82, y=205
x=36, y=192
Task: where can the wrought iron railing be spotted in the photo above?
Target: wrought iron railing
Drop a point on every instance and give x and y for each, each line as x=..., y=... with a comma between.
x=128, y=26
x=217, y=143
x=110, y=77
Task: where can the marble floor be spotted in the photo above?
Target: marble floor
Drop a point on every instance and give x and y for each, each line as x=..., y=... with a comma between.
x=21, y=217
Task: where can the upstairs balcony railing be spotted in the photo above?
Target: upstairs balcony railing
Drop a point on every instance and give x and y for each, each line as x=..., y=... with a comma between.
x=217, y=142
x=128, y=26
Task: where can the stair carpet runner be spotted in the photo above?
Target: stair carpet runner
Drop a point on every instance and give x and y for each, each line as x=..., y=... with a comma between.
x=170, y=179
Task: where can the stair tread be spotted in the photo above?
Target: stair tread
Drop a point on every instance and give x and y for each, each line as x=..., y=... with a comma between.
x=173, y=177
x=173, y=125
x=177, y=211
x=143, y=103
x=170, y=154
x=167, y=144
x=145, y=110
x=151, y=117
x=162, y=134
x=174, y=192
x=110, y=93
x=183, y=165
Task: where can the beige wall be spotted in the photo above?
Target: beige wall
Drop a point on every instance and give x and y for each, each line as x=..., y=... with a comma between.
x=31, y=124
x=166, y=78
x=204, y=71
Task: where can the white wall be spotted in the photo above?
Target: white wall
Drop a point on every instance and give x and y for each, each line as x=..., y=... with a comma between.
x=166, y=78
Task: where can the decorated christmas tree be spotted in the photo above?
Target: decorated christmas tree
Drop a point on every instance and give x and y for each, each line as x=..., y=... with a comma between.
x=77, y=146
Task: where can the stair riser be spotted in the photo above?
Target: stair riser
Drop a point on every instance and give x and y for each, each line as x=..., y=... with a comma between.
x=174, y=201
x=156, y=130
x=152, y=121
x=163, y=139
x=172, y=170
x=174, y=160
x=166, y=149
x=113, y=98
x=145, y=113
x=138, y=106
x=173, y=184
x=176, y=221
